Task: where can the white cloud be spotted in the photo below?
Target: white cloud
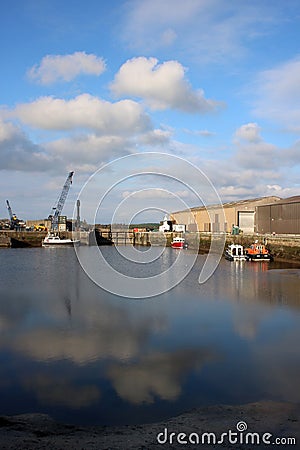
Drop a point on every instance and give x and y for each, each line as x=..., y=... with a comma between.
x=162, y=86
x=53, y=68
x=85, y=152
x=249, y=132
x=83, y=112
x=155, y=137
x=281, y=191
x=206, y=30
x=254, y=167
x=153, y=22
x=168, y=37
x=88, y=132
x=155, y=192
x=18, y=152
x=292, y=154
x=252, y=151
x=278, y=94
x=204, y=133
x=259, y=156
x=88, y=152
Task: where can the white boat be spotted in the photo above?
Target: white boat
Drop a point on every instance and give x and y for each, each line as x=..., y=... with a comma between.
x=179, y=242
x=53, y=240
x=235, y=252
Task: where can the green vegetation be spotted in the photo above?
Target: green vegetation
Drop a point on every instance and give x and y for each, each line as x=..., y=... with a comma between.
x=149, y=226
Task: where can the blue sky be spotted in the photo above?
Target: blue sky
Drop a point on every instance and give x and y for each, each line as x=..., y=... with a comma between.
x=216, y=83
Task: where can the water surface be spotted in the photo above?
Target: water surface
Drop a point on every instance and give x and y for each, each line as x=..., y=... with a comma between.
x=83, y=355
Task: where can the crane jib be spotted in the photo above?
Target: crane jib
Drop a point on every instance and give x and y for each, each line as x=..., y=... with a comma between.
x=58, y=209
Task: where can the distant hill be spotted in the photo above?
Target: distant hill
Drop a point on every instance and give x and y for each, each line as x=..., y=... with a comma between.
x=150, y=225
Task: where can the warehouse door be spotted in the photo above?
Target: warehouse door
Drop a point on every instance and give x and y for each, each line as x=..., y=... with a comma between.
x=246, y=221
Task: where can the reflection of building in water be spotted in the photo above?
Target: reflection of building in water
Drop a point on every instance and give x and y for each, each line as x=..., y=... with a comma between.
x=257, y=290
x=284, y=287
x=250, y=282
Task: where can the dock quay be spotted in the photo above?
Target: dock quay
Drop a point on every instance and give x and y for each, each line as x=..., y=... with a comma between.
x=286, y=247
x=11, y=238
x=19, y=239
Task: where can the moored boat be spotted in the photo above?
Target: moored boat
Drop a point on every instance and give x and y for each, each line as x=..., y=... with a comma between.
x=258, y=252
x=235, y=252
x=54, y=240
x=179, y=242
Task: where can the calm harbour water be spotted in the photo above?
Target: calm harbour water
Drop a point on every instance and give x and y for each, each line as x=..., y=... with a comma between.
x=82, y=355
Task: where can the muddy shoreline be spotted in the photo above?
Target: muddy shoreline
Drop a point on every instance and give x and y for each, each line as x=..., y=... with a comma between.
x=39, y=431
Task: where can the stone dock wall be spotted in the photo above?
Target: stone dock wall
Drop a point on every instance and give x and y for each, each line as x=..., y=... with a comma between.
x=282, y=247
x=4, y=240
x=21, y=238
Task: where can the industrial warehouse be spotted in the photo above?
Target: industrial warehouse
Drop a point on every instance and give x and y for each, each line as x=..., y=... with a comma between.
x=265, y=215
x=282, y=217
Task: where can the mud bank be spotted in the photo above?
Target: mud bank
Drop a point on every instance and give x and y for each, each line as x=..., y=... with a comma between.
x=38, y=431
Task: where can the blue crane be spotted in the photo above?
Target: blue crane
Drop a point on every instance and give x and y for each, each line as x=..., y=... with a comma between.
x=56, y=210
x=15, y=223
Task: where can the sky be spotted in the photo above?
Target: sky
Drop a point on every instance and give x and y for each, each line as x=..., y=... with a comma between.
x=212, y=83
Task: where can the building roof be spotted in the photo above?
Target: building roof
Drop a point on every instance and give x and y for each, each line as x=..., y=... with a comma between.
x=251, y=200
x=283, y=201
x=235, y=204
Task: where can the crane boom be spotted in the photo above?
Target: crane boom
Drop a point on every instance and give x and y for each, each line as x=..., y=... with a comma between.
x=60, y=204
x=9, y=210
x=15, y=223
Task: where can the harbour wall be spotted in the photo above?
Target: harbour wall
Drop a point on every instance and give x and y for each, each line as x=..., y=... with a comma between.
x=10, y=238
x=19, y=239
x=285, y=247
x=281, y=246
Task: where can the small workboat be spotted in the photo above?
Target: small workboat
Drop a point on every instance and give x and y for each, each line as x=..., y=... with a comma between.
x=179, y=242
x=53, y=240
x=235, y=252
x=258, y=252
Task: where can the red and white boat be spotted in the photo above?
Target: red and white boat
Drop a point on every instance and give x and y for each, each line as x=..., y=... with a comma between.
x=179, y=242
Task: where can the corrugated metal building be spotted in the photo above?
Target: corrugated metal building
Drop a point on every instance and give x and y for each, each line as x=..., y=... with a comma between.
x=241, y=213
x=280, y=218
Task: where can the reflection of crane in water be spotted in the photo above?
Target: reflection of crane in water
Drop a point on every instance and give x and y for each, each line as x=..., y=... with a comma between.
x=68, y=305
x=54, y=217
x=72, y=290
